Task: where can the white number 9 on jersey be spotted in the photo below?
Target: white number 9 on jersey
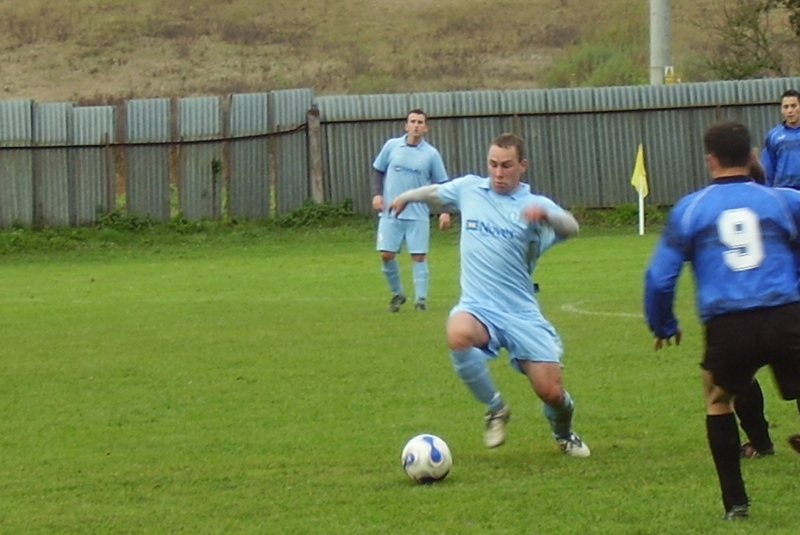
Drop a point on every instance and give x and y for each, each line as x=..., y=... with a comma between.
x=740, y=231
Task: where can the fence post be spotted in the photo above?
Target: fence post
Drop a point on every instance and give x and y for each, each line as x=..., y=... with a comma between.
x=315, y=172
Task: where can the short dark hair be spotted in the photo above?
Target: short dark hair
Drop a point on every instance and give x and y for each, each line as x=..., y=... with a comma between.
x=729, y=142
x=790, y=93
x=511, y=141
x=418, y=111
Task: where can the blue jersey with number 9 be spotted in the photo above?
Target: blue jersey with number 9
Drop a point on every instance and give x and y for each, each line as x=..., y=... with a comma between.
x=741, y=239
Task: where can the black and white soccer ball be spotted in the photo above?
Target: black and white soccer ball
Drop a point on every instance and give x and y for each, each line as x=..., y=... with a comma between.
x=426, y=458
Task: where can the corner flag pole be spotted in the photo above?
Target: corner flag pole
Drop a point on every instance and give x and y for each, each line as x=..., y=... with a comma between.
x=639, y=182
x=641, y=215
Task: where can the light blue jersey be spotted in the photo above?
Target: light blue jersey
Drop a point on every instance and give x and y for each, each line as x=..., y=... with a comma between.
x=407, y=167
x=499, y=251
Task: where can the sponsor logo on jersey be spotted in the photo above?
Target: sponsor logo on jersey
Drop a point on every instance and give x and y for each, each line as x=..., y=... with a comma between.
x=403, y=169
x=487, y=228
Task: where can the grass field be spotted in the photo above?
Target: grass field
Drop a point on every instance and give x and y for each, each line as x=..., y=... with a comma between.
x=254, y=383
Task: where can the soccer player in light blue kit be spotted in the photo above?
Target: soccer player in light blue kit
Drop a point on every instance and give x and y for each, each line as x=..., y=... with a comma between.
x=741, y=239
x=504, y=230
x=406, y=163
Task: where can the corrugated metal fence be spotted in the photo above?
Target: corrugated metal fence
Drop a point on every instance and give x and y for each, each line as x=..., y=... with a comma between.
x=259, y=155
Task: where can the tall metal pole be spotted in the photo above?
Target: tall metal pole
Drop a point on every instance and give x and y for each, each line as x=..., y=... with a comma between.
x=660, y=57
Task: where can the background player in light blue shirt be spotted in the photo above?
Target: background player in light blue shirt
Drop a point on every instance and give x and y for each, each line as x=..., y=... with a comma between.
x=504, y=230
x=405, y=163
x=741, y=239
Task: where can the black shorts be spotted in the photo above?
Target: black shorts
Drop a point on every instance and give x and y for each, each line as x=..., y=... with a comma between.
x=737, y=345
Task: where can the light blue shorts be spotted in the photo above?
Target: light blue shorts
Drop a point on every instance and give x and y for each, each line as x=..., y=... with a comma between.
x=392, y=232
x=526, y=336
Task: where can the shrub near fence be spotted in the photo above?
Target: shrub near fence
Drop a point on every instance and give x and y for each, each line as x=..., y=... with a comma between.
x=262, y=155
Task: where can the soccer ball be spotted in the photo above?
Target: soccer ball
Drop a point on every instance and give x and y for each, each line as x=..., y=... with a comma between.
x=426, y=458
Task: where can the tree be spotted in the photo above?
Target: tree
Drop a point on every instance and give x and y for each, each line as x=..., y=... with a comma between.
x=793, y=7
x=748, y=47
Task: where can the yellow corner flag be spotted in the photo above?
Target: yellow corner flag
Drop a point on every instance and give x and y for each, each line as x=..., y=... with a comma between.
x=639, y=178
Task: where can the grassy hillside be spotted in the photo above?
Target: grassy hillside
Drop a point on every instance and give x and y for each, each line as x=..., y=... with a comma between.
x=93, y=51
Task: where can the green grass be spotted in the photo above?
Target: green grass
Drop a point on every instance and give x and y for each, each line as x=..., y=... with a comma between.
x=251, y=381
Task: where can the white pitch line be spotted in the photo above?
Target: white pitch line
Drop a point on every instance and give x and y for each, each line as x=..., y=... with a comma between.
x=575, y=309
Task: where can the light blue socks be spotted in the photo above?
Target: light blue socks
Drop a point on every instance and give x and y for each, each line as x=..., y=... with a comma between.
x=421, y=277
x=392, y=273
x=470, y=365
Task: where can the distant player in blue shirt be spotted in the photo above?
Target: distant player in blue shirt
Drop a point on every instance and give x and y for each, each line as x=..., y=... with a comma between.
x=504, y=230
x=406, y=163
x=741, y=239
x=780, y=156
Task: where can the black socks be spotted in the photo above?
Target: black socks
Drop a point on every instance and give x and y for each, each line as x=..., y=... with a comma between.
x=723, y=440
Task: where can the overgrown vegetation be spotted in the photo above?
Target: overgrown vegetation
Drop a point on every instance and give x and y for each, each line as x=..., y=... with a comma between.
x=596, y=66
x=95, y=52
x=121, y=229
x=317, y=214
x=754, y=39
x=625, y=215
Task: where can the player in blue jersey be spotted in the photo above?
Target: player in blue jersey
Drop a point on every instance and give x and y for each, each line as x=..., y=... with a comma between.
x=749, y=405
x=406, y=163
x=780, y=159
x=780, y=155
x=504, y=230
x=741, y=240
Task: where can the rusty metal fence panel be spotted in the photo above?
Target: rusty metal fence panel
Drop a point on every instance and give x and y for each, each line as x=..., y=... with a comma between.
x=249, y=159
x=581, y=142
x=200, y=168
x=63, y=165
x=93, y=162
x=148, y=129
x=53, y=201
x=16, y=163
x=290, y=148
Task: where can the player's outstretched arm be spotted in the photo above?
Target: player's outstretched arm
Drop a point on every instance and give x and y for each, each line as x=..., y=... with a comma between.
x=564, y=223
x=426, y=194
